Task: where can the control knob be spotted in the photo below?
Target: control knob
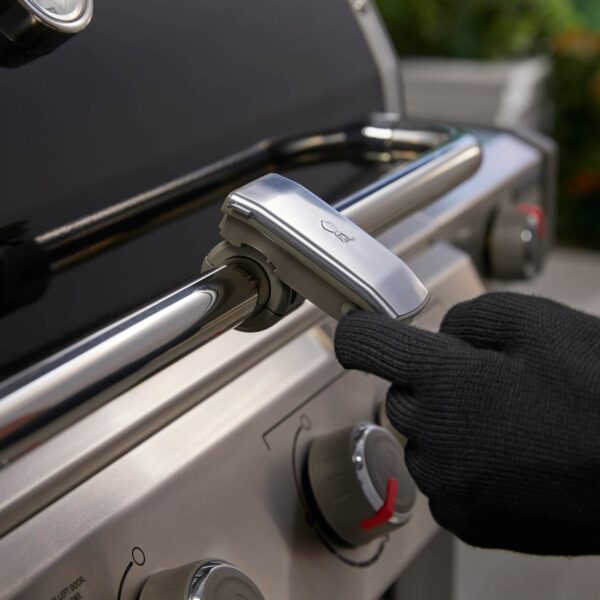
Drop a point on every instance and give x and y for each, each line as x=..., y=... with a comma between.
x=202, y=580
x=359, y=482
x=516, y=241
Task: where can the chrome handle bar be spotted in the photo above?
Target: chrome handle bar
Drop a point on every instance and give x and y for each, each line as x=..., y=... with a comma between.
x=46, y=397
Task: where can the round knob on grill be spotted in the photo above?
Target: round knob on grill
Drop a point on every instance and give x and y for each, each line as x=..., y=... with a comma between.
x=515, y=243
x=359, y=483
x=32, y=28
x=203, y=580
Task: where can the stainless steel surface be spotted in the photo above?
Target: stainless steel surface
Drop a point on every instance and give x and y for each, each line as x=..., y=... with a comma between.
x=319, y=253
x=119, y=356
x=127, y=351
x=430, y=575
x=413, y=186
x=219, y=480
x=70, y=457
x=463, y=215
x=417, y=136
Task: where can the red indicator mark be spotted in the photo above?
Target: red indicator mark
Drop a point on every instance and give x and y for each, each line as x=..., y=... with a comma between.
x=386, y=512
x=537, y=212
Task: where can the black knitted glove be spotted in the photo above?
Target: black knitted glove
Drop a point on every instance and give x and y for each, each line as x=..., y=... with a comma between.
x=502, y=415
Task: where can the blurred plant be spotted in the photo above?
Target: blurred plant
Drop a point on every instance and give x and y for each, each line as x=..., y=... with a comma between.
x=576, y=93
x=476, y=28
x=590, y=9
x=567, y=30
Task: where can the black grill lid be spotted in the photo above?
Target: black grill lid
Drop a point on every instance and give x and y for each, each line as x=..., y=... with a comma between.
x=148, y=92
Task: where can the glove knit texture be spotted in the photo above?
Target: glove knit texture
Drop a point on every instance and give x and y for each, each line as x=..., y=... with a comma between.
x=501, y=410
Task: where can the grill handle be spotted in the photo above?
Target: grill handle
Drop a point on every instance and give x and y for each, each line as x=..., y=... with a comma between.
x=49, y=395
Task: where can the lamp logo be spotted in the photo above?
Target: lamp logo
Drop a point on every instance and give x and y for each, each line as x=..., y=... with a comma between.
x=332, y=228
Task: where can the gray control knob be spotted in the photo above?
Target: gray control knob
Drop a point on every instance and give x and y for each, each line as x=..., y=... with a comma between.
x=359, y=483
x=202, y=580
x=515, y=242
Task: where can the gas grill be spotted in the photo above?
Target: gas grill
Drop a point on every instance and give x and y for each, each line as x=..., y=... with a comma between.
x=197, y=195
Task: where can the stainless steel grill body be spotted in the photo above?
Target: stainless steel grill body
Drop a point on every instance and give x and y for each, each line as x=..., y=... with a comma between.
x=139, y=432
x=232, y=420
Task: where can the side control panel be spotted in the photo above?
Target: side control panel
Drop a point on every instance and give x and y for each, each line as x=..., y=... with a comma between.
x=359, y=483
x=201, y=580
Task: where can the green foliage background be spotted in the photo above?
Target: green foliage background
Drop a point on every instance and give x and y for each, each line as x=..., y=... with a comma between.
x=566, y=30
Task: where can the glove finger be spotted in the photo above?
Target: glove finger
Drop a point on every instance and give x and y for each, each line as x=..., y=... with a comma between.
x=392, y=349
x=491, y=321
x=403, y=413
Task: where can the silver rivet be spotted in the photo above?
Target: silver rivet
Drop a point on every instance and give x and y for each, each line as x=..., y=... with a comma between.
x=526, y=236
x=357, y=459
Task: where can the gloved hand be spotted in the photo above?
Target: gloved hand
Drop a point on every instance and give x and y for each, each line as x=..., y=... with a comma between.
x=501, y=410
